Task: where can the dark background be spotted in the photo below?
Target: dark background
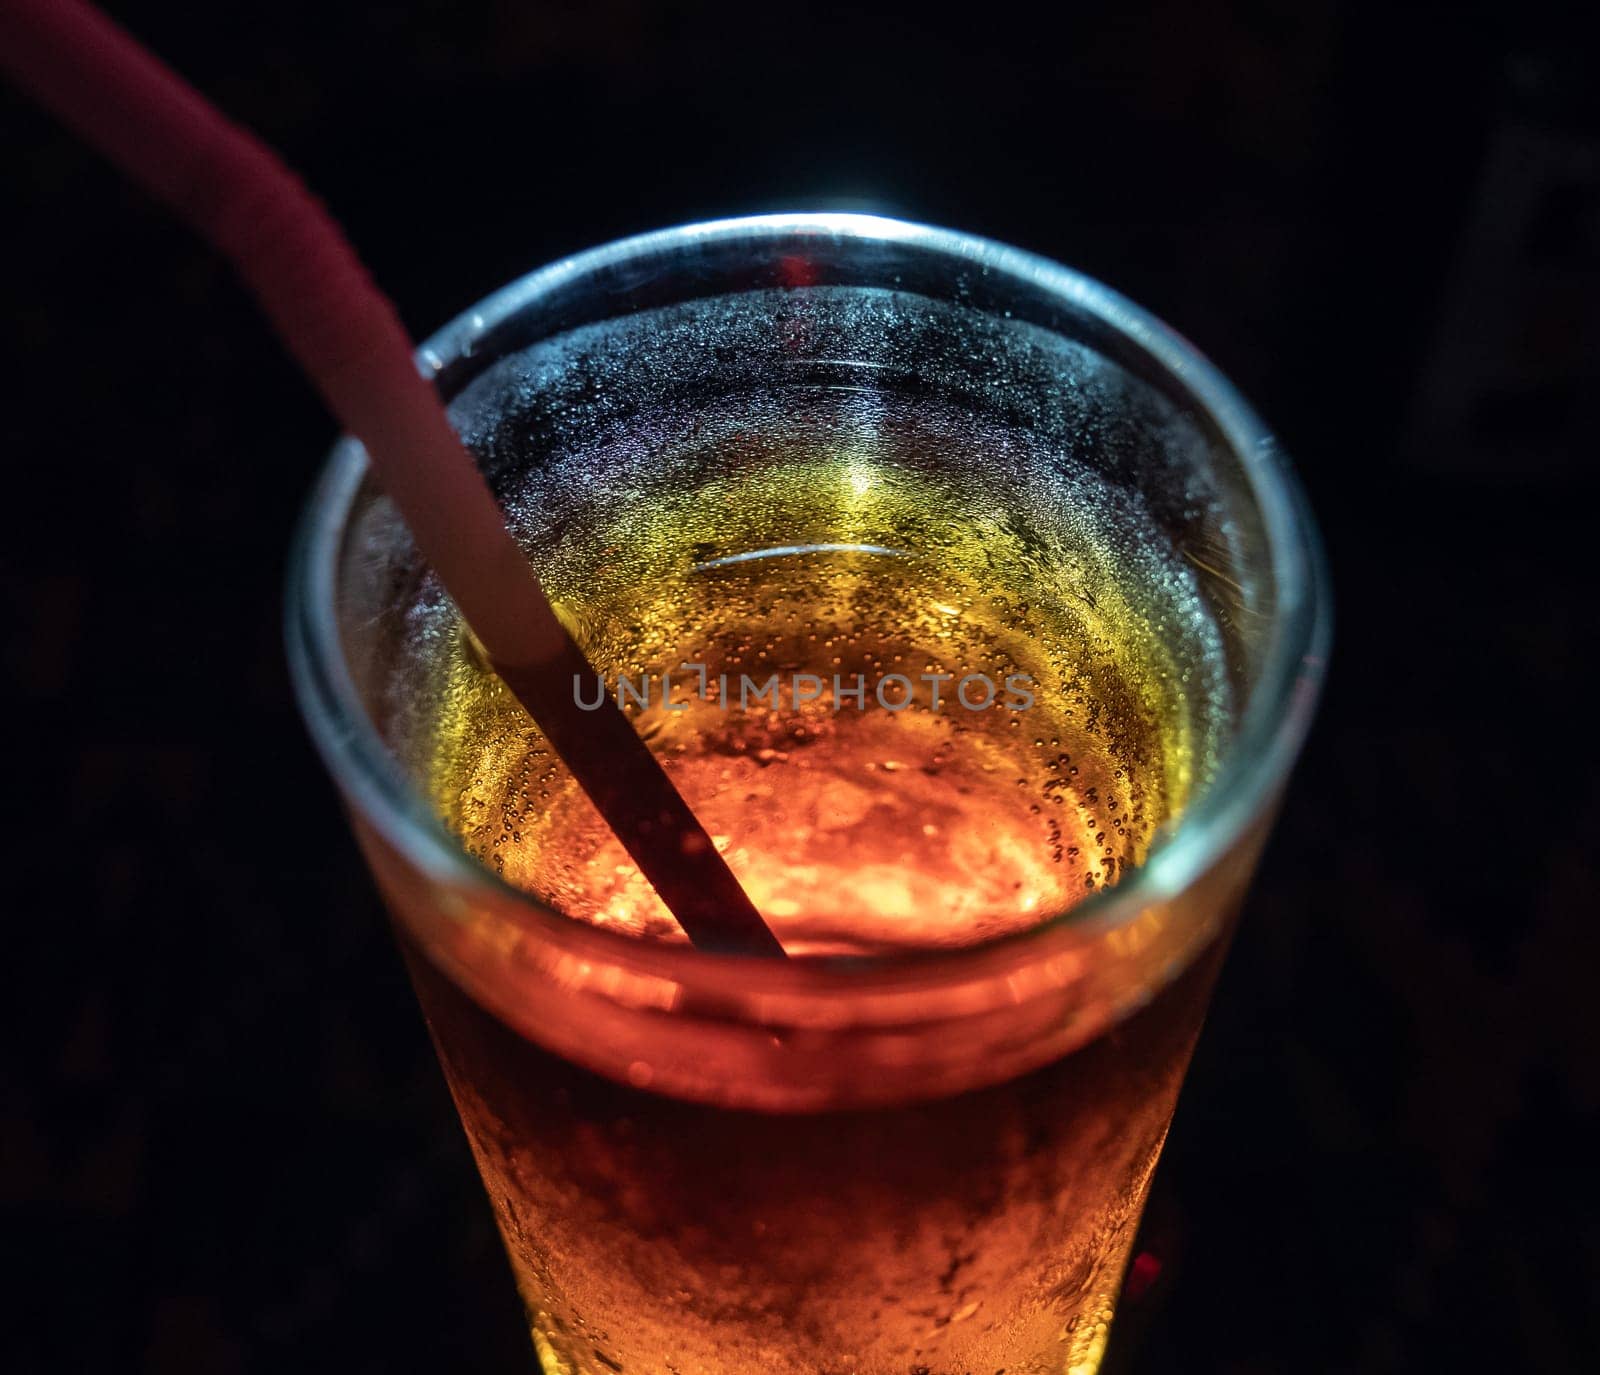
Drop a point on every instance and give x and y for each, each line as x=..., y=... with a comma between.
x=225, y=1144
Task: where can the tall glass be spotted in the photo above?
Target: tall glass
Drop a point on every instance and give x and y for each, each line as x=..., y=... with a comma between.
x=921, y=1151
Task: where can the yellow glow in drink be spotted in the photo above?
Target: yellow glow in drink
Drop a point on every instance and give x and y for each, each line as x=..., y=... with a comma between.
x=910, y=720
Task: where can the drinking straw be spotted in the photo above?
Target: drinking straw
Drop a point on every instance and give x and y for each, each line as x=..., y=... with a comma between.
x=349, y=340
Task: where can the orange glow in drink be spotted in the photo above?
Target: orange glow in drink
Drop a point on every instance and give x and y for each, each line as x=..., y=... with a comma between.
x=967, y=611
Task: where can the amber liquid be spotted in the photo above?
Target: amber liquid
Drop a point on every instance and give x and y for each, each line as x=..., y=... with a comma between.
x=983, y=1232
x=847, y=536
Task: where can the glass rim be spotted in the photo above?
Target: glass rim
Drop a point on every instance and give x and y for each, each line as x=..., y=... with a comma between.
x=1254, y=765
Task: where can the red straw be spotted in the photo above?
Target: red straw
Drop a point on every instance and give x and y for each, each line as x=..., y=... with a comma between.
x=346, y=336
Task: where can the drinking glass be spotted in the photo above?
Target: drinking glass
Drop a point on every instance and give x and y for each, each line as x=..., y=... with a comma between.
x=907, y=1154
